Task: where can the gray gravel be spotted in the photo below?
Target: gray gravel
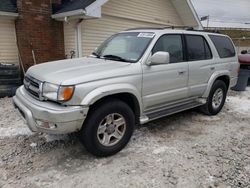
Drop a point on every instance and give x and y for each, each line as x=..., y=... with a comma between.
x=184, y=150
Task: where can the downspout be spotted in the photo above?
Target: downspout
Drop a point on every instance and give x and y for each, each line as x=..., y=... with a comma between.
x=79, y=37
x=33, y=54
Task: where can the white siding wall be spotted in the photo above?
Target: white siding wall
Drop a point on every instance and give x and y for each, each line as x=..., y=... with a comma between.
x=118, y=15
x=94, y=32
x=156, y=11
x=69, y=37
x=186, y=13
x=8, y=46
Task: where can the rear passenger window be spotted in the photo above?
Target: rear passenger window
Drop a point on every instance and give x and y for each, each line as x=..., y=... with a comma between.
x=171, y=44
x=197, y=48
x=223, y=45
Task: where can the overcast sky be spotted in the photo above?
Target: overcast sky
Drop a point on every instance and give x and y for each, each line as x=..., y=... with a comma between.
x=233, y=11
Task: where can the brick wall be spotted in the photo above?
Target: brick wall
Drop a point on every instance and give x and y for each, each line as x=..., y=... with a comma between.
x=37, y=31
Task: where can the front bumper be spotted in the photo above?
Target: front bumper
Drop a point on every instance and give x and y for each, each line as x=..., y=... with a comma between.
x=37, y=114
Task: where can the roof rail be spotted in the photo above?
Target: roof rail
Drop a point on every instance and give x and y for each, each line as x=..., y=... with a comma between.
x=161, y=28
x=187, y=28
x=206, y=31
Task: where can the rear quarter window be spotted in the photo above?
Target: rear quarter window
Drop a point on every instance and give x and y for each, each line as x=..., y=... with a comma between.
x=223, y=45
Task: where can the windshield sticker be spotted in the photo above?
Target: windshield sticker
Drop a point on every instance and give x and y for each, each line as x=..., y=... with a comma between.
x=146, y=35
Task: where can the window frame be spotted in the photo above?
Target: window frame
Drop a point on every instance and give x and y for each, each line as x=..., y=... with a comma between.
x=114, y=35
x=231, y=42
x=182, y=42
x=204, y=42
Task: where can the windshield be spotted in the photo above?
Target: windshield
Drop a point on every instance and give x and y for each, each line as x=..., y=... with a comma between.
x=127, y=47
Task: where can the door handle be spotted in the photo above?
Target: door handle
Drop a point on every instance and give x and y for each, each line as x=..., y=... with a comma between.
x=181, y=72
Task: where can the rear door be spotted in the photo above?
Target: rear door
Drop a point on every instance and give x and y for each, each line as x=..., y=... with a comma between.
x=200, y=62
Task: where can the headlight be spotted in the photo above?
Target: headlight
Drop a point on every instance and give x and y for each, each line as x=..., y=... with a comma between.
x=57, y=93
x=65, y=93
x=50, y=91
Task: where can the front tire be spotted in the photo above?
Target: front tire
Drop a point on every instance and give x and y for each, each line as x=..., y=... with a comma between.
x=108, y=128
x=216, y=99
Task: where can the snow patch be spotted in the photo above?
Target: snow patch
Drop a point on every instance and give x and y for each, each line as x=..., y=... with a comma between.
x=8, y=132
x=33, y=145
x=164, y=149
x=54, y=137
x=238, y=104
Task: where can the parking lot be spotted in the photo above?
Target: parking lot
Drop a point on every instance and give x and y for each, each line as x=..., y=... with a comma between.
x=184, y=150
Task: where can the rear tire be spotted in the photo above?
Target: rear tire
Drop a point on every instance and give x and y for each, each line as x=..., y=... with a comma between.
x=216, y=99
x=108, y=128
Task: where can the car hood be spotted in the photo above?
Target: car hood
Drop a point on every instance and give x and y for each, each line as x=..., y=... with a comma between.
x=75, y=71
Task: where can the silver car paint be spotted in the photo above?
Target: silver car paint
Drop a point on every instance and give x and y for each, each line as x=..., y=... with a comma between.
x=151, y=85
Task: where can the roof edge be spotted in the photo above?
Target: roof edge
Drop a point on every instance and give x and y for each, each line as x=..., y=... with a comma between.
x=190, y=4
x=69, y=13
x=10, y=14
x=93, y=10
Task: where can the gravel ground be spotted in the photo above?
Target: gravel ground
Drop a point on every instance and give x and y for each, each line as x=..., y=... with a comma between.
x=184, y=150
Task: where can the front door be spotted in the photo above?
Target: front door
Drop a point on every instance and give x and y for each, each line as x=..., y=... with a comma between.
x=166, y=83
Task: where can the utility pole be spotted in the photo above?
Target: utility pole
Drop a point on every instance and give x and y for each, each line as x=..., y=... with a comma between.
x=208, y=20
x=205, y=18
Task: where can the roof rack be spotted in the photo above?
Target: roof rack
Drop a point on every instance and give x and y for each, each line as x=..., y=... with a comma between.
x=210, y=31
x=161, y=28
x=187, y=28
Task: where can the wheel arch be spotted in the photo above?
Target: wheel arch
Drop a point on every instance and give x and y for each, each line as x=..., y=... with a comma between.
x=123, y=92
x=223, y=76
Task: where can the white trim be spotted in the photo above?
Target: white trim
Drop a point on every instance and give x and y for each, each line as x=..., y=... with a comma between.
x=11, y=14
x=93, y=10
x=79, y=39
x=76, y=43
x=190, y=4
x=96, y=13
x=69, y=13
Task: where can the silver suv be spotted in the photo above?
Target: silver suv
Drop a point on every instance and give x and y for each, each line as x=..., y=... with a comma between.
x=134, y=77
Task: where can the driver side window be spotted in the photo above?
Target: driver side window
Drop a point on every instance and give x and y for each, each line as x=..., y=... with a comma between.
x=171, y=44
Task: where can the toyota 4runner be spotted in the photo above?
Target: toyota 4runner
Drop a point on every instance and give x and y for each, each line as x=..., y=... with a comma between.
x=134, y=77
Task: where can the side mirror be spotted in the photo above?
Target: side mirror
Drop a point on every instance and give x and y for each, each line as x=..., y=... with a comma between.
x=159, y=58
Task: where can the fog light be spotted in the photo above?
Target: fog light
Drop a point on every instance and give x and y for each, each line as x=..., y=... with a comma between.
x=46, y=125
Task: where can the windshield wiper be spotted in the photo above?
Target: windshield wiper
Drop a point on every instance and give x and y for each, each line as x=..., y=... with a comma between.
x=115, y=57
x=96, y=54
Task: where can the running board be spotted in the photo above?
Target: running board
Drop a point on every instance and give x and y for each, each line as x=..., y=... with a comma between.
x=162, y=112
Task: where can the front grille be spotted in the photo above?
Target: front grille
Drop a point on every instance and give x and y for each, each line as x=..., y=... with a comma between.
x=32, y=85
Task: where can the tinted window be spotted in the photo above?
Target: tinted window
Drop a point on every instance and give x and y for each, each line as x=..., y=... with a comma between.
x=223, y=45
x=207, y=50
x=171, y=44
x=197, y=48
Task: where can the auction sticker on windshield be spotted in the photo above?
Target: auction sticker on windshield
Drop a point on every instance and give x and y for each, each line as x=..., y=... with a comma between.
x=146, y=35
